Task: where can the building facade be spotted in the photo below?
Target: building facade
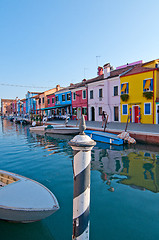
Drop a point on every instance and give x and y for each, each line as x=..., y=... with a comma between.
x=139, y=93
x=79, y=101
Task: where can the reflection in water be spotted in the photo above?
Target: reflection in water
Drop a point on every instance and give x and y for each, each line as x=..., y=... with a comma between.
x=136, y=168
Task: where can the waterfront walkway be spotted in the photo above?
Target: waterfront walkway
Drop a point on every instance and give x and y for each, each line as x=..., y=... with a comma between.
x=147, y=133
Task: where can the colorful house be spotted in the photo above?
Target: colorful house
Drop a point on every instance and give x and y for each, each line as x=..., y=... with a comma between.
x=139, y=92
x=63, y=102
x=8, y=106
x=31, y=102
x=42, y=100
x=104, y=93
x=79, y=100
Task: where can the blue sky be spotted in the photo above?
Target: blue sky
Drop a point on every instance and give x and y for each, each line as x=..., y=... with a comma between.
x=44, y=43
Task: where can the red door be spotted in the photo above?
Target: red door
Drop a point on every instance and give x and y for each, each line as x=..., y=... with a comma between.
x=136, y=111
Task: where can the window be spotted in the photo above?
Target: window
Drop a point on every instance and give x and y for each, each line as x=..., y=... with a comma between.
x=84, y=111
x=124, y=88
x=148, y=85
x=74, y=111
x=91, y=94
x=100, y=93
x=57, y=99
x=74, y=95
x=39, y=100
x=43, y=100
x=84, y=94
x=63, y=97
x=100, y=111
x=125, y=109
x=53, y=100
x=115, y=90
x=147, y=108
x=48, y=101
x=68, y=97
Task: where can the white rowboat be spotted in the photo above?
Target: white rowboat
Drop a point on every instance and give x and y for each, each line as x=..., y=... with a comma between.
x=24, y=200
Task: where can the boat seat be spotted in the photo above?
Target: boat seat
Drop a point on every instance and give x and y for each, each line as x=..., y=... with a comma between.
x=6, y=179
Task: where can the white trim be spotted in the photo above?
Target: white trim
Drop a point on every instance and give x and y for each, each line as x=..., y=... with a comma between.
x=150, y=108
x=122, y=109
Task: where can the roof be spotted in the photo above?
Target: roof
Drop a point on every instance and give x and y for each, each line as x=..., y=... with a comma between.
x=138, y=69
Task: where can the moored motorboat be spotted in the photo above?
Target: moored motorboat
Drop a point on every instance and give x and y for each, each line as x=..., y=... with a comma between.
x=62, y=129
x=24, y=200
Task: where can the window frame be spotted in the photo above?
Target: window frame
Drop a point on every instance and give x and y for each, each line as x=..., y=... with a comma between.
x=91, y=91
x=116, y=90
x=56, y=98
x=122, y=109
x=63, y=98
x=101, y=92
x=74, y=96
x=68, y=98
x=84, y=112
x=83, y=94
x=145, y=109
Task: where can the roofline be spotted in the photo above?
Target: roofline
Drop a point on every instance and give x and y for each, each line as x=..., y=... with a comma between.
x=140, y=72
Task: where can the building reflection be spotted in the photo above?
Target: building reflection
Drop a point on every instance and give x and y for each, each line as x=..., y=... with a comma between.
x=138, y=169
x=136, y=166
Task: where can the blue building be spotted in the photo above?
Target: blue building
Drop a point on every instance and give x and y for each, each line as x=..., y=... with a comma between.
x=63, y=102
x=31, y=102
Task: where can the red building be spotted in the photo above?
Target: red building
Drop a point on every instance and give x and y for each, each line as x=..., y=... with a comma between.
x=51, y=104
x=79, y=100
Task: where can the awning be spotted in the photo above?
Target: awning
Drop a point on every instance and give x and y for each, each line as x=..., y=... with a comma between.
x=123, y=88
x=57, y=106
x=147, y=84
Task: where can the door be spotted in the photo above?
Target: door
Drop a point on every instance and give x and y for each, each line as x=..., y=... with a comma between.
x=92, y=114
x=136, y=114
x=116, y=114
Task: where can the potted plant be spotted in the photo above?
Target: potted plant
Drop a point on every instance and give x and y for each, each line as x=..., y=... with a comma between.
x=124, y=97
x=148, y=95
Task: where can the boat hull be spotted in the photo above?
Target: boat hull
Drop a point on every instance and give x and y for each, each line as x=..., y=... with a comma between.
x=105, y=137
x=24, y=200
x=24, y=215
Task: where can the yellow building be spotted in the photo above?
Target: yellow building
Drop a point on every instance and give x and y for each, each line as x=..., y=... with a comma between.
x=139, y=93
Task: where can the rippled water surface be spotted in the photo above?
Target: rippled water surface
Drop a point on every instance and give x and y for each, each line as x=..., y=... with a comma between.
x=124, y=186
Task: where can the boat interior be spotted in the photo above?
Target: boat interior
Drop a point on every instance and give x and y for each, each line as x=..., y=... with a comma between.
x=6, y=179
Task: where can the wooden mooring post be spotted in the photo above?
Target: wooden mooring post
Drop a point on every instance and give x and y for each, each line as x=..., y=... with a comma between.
x=82, y=146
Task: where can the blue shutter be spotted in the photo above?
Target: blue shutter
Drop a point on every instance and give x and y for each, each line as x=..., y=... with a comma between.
x=127, y=88
x=151, y=85
x=121, y=88
x=144, y=82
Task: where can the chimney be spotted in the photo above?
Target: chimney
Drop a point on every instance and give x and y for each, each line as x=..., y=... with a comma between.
x=71, y=84
x=106, y=70
x=57, y=87
x=84, y=80
x=100, y=71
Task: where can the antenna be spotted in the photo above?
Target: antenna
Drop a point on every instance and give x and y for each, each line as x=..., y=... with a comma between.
x=85, y=72
x=97, y=57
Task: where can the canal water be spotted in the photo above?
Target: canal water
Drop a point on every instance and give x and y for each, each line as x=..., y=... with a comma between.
x=124, y=186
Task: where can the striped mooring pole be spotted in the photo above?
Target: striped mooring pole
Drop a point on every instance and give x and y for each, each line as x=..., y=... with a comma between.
x=82, y=146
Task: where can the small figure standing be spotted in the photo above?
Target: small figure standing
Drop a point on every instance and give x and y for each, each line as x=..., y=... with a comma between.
x=103, y=118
